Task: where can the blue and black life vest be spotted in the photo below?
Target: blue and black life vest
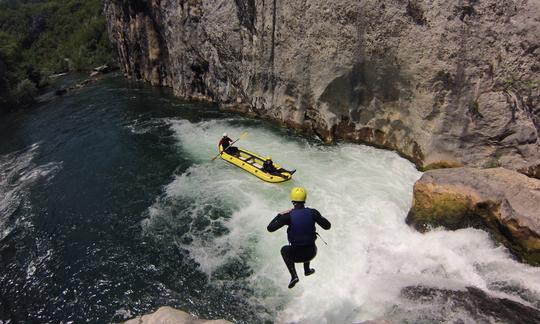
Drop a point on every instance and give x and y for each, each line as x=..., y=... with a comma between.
x=302, y=228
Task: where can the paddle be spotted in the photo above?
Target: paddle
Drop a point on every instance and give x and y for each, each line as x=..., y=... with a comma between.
x=244, y=134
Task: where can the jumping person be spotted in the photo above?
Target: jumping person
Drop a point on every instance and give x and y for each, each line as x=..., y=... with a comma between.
x=225, y=143
x=300, y=233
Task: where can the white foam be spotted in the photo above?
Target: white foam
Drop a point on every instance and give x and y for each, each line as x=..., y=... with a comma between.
x=18, y=173
x=371, y=254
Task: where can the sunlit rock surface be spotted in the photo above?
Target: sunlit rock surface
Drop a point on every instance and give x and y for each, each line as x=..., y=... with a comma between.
x=169, y=315
x=501, y=201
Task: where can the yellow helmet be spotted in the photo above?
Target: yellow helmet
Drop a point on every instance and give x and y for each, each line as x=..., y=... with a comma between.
x=269, y=157
x=298, y=194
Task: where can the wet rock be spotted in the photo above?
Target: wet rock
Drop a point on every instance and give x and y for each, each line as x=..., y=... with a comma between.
x=170, y=315
x=503, y=202
x=96, y=74
x=444, y=84
x=105, y=68
x=470, y=305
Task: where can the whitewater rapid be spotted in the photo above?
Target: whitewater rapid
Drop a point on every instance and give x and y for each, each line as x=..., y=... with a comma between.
x=18, y=174
x=219, y=213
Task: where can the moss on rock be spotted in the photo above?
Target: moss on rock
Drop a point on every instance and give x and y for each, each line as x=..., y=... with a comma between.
x=433, y=208
x=443, y=164
x=499, y=201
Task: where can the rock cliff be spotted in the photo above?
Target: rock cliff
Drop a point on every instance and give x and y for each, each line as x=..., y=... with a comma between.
x=444, y=83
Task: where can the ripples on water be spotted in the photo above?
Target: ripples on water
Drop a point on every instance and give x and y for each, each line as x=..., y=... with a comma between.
x=18, y=173
x=118, y=210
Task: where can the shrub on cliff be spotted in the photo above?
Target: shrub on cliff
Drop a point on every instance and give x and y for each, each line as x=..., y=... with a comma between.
x=24, y=92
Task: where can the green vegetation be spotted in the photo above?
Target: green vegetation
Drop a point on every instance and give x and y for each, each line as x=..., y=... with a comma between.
x=493, y=163
x=42, y=37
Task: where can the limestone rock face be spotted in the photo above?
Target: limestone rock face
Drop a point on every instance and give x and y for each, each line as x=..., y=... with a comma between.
x=169, y=315
x=444, y=83
x=503, y=202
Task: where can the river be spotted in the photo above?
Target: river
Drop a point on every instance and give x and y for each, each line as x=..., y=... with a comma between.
x=110, y=206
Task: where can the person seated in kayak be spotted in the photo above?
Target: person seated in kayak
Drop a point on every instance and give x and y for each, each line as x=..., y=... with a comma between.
x=268, y=167
x=225, y=143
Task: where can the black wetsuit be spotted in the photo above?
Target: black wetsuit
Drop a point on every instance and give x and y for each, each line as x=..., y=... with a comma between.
x=268, y=167
x=225, y=143
x=303, y=250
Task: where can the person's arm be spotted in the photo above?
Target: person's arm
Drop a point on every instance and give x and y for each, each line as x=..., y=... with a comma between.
x=225, y=142
x=279, y=221
x=319, y=219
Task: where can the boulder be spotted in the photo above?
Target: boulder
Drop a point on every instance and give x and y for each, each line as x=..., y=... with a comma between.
x=102, y=68
x=169, y=315
x=467, y=305
x=503, y=202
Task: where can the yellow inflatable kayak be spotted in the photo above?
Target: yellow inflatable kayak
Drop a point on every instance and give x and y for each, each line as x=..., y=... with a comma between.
x=253, y=164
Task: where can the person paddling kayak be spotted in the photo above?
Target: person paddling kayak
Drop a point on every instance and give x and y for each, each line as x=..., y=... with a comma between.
x=300, y=233
x=225, y=143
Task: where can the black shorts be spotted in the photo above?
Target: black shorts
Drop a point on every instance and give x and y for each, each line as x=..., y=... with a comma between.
x=299, y=254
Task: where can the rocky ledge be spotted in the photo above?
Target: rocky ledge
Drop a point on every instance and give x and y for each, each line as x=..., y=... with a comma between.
x=170, y=315
x=94, y=76
x=504, y=202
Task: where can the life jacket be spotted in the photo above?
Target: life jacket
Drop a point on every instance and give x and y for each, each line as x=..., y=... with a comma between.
x=225, y=142
x=268, y=166
x=302, y=228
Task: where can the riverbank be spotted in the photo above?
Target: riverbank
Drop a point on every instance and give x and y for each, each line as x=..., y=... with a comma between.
x=40, y=39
